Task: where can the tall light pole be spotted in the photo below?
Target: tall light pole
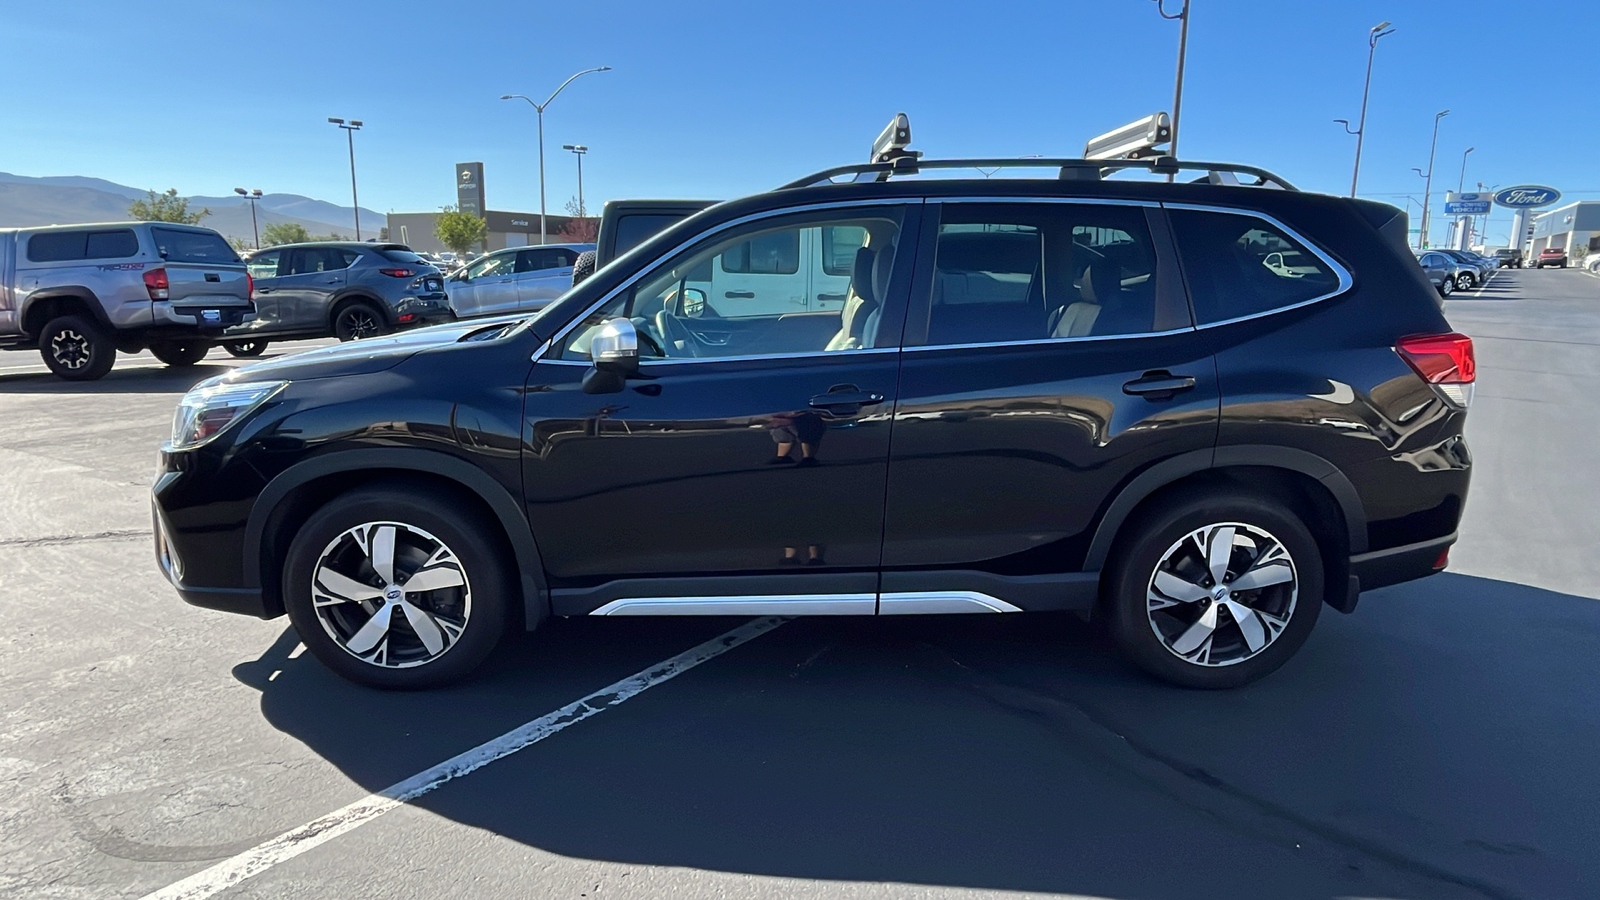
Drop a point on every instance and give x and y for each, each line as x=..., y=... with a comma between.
x=539, y=108
x=1461, y=222
x=579, y=150
x=1378, y=31
x=1427, y=190
x=252, y=196
x=1183, y=53
x=350, y=129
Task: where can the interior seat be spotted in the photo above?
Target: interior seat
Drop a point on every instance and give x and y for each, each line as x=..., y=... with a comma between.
x=1100, y=285
x=858, y=325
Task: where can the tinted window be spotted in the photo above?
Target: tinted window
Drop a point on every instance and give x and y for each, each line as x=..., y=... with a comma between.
x=769, y=254
x=541, y=260
x=193, y=246
x=55, y=246
x=402, y=256
x=316, y=259
x=635, y=230
x=119, y=244
x=1036, y=271
x=1239, y=265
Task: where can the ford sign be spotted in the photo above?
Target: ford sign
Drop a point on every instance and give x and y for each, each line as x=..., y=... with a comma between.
x=1527, y=196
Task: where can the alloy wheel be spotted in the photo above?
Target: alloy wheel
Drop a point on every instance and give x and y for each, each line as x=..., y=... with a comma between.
x=70, y=349
x=359, y=323
x=1222, y=594
x=391, y=595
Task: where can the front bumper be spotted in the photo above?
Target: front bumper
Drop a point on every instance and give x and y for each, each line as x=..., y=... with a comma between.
x=244, y=601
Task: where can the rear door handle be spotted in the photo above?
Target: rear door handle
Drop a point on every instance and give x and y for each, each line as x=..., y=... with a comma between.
x=262, y=290
x=844, y=399
x=739, y=295
x=1159, y=385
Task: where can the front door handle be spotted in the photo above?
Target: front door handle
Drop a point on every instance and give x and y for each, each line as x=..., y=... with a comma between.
x=845, y=399
x=1159, y=385
x=262, y=290
x=739, y=295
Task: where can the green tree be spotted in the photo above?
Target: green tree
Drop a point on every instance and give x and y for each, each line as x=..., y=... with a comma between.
x=168, y=207
x=460, y=231
x=284, y=233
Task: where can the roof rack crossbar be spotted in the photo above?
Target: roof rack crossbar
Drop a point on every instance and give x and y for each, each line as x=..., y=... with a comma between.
x=1080, y=169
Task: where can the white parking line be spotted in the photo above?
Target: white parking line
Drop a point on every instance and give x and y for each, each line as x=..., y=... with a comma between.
x=292, y=843
x=1479, y=291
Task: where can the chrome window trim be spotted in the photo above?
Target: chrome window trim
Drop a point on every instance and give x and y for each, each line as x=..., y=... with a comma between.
x=652, y=361
x=758, y=605
x=610, y=295
x=1041, y=198
x=1346, y=281
x=1050, y=340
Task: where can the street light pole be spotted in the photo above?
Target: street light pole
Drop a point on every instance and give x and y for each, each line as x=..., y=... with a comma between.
x=579, y=150
x=1377, y=31
x=1427, y=190
x=1462, y=237
x=252, y=196
x=539, y=108
x=1183, y=53
x=350, y=130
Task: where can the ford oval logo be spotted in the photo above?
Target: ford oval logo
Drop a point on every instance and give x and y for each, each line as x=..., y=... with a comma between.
x=1527, y=196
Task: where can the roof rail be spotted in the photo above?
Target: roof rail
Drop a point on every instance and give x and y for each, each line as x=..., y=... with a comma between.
x=1070, y=170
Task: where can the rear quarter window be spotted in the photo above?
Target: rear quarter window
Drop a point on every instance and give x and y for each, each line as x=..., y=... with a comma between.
x=176, y=245
x=1240, y=265
x=57, y=246
x=403, y=256
x=119, y=244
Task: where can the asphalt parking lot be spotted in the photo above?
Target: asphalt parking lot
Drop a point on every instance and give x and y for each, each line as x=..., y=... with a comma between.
x=1437, y=743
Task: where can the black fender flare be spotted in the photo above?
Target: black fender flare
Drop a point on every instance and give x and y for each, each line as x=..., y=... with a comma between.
x=507, y=510
x=1168, y=471
x=97, y=310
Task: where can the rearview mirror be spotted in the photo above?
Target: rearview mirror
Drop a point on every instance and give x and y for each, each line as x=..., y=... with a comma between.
x=614, y=349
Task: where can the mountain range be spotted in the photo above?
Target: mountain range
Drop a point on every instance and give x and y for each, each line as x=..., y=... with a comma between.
x=76, y=199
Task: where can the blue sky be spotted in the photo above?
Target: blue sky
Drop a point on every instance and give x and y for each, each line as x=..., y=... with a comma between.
x=717, y=99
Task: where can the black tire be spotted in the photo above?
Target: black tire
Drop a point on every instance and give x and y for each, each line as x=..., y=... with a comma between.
x=76, y=348
x=475, y=547
x=358, y=319
x=245, y=349
x=1464, y=281
x=180, y=353
x=583, y=267
x=1164, y=529
x=1447, y=287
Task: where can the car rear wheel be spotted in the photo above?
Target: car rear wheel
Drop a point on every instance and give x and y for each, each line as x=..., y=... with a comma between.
x=398, y=587
x=245, y=349
x=1447, y=287
x=1215, y=590
x=77, y=349
x=358, y=320
x=180, y=353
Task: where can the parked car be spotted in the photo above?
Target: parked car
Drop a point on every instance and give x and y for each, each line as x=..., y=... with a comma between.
x=1509, y=258
x=1474, y=269
x=1553, y=256
x=1441, y=270
x=338, y=289
x=1591, y=262
x=514, y=279
x=625, y=224
x=1021, y=406
x=80, y=293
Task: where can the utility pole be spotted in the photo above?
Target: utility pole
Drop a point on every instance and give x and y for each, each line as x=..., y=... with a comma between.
x=252, y=196
x=350, y=130
x=579, y=150
x=1360, y=131
x=1183, y=53
x=539, y=108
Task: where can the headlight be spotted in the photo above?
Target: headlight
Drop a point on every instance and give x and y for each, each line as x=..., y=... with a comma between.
x=208, y=409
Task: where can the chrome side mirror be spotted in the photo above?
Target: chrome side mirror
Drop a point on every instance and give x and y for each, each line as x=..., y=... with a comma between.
x=614, y=349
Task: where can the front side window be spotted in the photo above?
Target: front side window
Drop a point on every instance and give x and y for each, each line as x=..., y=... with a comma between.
x=1038, y=271
x=1240, y=265
x=714, y=302
x=202, y=247
x=264, y=264
x=311, y=260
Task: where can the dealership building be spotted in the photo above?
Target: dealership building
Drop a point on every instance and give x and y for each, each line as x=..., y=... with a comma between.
x=506, y=229
x=1567, y=227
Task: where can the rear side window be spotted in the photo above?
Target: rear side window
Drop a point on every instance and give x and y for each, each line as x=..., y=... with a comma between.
x=402, y=256
x=119, y=244
x=193, y=246
x=56, y=246
x=1239, y=265
x=310, y=260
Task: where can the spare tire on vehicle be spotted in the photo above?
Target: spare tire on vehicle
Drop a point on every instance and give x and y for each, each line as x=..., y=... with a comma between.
x=583, y=267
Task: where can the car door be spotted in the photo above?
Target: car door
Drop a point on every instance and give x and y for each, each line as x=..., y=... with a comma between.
x=486, y=287
x=543, y=274
x=722, y=481
x=264, y=266
x=1049, y=357
x=304, y=292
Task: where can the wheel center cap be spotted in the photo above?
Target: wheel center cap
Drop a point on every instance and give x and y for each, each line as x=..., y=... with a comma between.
x=392, y=593
x=1219, y=592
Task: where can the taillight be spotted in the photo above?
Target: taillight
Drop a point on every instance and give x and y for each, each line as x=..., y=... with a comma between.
x=398, y=273
x=1445, y=361
x=249, y=285
x=155, y=282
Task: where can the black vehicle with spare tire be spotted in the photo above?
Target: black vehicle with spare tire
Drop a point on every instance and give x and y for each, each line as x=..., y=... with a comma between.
x=1194, y=411
x=80, y=293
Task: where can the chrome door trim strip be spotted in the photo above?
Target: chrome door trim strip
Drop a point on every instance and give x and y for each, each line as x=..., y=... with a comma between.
x=1346, y=281
x=906, y=603
x=761, y=605
x=732, y=223
x=652, y=362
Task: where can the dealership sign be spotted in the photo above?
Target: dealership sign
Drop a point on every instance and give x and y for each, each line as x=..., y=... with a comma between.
x=1466, y=204
x=1527, y=196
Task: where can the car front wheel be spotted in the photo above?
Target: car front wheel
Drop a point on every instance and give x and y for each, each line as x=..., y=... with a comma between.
x=75, y=348
x=1447, y=287
x=1464, y=281
x=397, y=587
x=1215, y=590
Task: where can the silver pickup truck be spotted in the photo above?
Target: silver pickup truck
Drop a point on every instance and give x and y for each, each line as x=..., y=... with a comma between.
x=80, y=293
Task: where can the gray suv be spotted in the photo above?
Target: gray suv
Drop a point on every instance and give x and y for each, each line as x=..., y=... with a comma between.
x=516, y=279
x=80, y=293
x=341, y=289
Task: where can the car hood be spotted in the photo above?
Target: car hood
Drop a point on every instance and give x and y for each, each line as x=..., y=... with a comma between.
x=361, y=357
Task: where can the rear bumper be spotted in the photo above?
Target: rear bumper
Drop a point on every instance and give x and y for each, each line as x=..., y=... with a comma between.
x=423, y=309
x=1407, y=562
x=207, y=317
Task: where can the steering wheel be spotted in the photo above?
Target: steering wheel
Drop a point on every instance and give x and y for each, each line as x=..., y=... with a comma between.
x=646, y=331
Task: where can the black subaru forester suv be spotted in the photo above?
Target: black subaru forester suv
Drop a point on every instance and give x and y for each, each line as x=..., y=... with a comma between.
x=1196, y=410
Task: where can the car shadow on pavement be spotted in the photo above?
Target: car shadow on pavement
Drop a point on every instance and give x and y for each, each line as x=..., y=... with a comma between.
x=1439, y=742
x=128, y=380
